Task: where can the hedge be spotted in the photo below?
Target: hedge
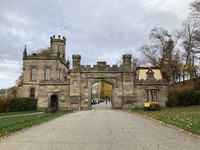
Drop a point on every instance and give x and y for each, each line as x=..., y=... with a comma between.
x=184, y=98
x=18, y=104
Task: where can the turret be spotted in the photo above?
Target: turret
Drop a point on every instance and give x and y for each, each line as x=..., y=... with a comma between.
x=127, y=61
x=76, y=61
x=57, y=46
x=24, y=58
x=68, y=63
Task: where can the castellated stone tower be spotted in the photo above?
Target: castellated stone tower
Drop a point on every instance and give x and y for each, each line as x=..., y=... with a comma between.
x=76, y=61
x=127, y=61
x=57, y=46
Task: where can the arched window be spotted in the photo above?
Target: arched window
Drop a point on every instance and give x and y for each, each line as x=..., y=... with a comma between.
x=151, y=96
x=56, y=47
x=33, y=74
x=32, y=92
x=47, y=74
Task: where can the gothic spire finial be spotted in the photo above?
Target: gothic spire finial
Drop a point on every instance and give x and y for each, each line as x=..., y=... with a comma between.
x=24, y=53
x=25, y=48
x=68, y=62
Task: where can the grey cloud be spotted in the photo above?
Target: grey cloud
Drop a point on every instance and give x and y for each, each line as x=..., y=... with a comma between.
x=97, y=30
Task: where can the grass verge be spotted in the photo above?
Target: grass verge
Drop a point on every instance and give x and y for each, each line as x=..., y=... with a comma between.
x=10, y=125
x=17, y=113
x=187, y=118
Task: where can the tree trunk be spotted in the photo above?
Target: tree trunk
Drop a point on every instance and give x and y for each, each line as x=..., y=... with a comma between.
x=173, y=83
x=195, y=74
x=184, y=75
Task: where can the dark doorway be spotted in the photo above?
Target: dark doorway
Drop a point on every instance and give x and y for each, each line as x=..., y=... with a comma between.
x=54, y=101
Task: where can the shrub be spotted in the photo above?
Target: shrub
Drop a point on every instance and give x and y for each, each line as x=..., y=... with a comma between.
x=155, y=106
x=183, y=98
x=4, y=105
x=197, y=84
x=172, y=99
x=53, y=110
x=18, y=104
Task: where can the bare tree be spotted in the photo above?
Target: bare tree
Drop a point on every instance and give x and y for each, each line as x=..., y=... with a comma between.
x=166, y=43
x=195, y=9
x=137, y=62
x=150, y=54
x=42, y=52
x=191, y=40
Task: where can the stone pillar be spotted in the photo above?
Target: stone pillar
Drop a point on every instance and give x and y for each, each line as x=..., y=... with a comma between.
x=153, y=96
x=127, y=83
x=156, y=96
x=149, y=96
x=75, y=84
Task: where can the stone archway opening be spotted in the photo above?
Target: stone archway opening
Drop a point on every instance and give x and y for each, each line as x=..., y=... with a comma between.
x=101, y=95
x=54, y=101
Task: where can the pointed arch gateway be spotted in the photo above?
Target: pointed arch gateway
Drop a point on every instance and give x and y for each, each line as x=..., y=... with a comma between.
x=82, y=78
x=110, y=81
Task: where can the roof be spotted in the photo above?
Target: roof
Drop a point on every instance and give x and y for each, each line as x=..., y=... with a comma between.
x=148, y=68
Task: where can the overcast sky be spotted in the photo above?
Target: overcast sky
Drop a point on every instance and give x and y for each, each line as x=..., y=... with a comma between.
x=98, y=30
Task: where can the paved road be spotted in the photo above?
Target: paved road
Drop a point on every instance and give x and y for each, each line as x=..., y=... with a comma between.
x=101, y=130
x=101, y=106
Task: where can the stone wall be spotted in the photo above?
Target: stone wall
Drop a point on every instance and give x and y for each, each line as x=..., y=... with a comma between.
x=57, y=84
x=59, y=88
x=41, y=63
x=142, y=86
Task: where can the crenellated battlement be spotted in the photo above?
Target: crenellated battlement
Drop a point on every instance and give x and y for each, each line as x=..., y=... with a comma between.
x=53, y=39
x=57, y=46
x=101, y=66
x=127, y=56
x=76, y=56
x=149, y=80
x=41, y=57
x=35, y=57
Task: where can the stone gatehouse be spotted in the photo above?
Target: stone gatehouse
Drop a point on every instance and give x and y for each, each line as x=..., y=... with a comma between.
x=55, y=85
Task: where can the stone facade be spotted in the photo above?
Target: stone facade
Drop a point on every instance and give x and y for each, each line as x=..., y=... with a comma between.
x=57, y=86
x=149, y=86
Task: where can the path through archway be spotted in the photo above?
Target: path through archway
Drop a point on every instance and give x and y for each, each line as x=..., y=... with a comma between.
x=101, y=96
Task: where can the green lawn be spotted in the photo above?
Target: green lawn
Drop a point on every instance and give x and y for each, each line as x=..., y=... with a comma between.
x=17, y=113
x=187, y=118
x=11, y=124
